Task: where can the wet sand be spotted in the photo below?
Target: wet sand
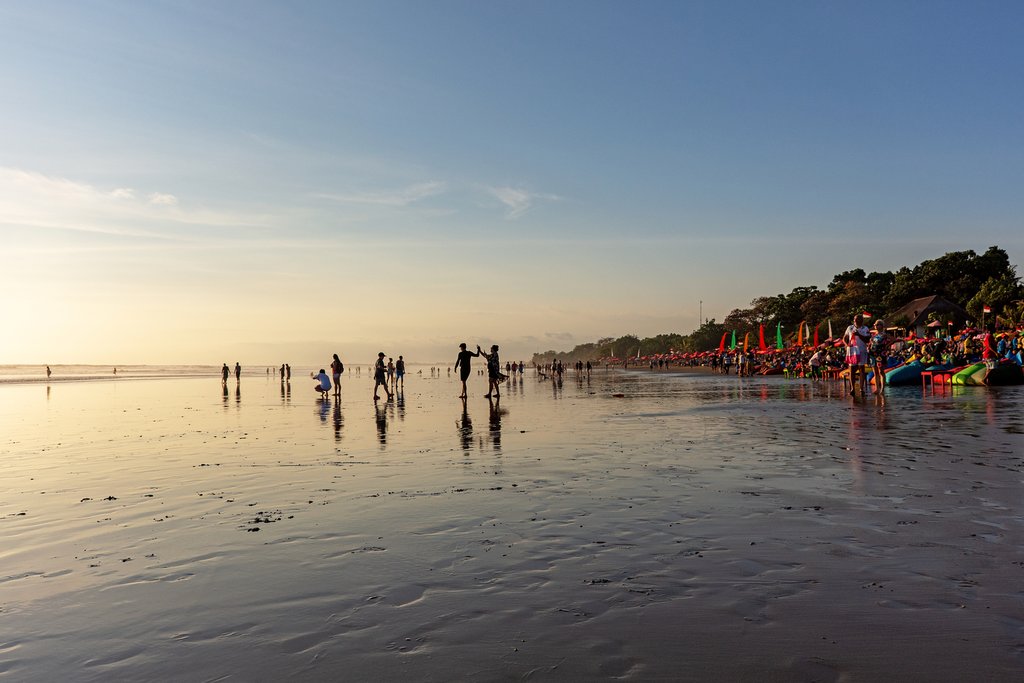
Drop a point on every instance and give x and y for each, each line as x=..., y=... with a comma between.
x=696, y=528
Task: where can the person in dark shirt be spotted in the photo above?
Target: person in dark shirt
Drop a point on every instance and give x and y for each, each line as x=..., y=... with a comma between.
x=462, y=365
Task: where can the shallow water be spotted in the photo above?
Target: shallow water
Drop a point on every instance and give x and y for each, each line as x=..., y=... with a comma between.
x=695, y=528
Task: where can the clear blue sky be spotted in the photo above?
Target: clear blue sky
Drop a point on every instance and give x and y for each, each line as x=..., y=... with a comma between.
x=202, y=181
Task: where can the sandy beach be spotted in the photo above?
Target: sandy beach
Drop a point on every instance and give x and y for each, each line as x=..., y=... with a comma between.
x=696, y=528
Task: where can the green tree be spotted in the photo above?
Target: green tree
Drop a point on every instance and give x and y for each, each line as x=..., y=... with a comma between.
x=999, y=293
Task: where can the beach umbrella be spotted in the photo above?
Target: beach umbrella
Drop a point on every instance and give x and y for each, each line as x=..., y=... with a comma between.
x=778, y=337
x=761, y=346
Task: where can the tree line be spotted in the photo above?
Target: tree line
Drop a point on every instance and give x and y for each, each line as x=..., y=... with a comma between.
x=966, y=278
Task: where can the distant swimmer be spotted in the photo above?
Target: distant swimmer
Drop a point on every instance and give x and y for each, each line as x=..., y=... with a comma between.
x=323, y=384
x=462, y=365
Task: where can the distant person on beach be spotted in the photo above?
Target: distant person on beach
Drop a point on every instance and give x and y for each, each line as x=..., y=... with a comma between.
x=323, y=384
x=380, y=377
x=288, y=372
x=337, y=367
x=855, y=338
x=400, y=372
x=494, y=376
x=225, y=373
x=462, y=365
x=47, y=372
x=815, y=362
x=238, y=372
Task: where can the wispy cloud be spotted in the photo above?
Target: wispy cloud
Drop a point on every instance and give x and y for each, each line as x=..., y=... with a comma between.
x=32, y=199
x=401, y=197
x=162, y=199
x=518, y=201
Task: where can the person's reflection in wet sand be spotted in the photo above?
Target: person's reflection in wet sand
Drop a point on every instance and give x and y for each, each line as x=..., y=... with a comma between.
x=381, y=416
x=47, y=392
x=238, y=394
x=853, y=447
x=338, y=419
x=400, y=402
x=465, y=428
x=227, y=395
x=323, y=409
x=496, y=414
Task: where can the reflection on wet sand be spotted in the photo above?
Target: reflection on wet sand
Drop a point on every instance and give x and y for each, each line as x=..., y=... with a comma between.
x=495, y=413
x=464, y=426
x=697, y=505
x=338, y=420
x=381, y=418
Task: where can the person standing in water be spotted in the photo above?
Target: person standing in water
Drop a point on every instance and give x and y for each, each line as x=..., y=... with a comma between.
x=380, y=377
x=224, y=374
x=400, y=374
x=462, y=365
x=337, y=367
x=238, y=372
x=855, y=338
x=878, y=350
x=494, y=376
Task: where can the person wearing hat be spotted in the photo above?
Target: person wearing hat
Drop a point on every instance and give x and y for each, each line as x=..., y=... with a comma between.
x=380, y=377
x=494, y=376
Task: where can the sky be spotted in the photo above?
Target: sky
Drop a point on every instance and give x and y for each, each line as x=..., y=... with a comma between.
x=269, y=182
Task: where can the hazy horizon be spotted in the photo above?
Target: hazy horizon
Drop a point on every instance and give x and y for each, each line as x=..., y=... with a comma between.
x=198, y=183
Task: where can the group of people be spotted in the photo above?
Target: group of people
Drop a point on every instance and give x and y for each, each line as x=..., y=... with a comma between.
x=390, y=374
x=494, y=374
x=225, y=372
x=866, y=350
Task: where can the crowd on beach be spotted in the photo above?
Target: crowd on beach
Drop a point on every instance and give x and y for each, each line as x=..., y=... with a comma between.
x=389, y=375
x=865, y=352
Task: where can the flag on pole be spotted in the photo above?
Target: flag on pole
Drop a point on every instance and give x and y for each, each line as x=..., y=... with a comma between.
x=830, y=328
x=746, y=338
x=816, y=336
x=778, y=337
x=761, y=346
x=800, y=334
x=733, y=346
x=721, y=347
x=986, y=309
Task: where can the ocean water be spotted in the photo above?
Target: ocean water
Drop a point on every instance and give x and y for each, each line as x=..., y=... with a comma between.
x=636, y=525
